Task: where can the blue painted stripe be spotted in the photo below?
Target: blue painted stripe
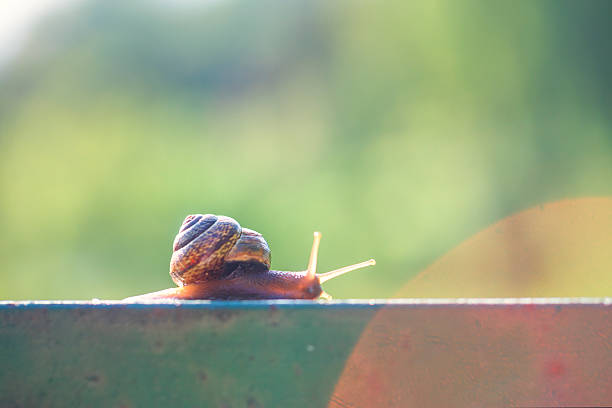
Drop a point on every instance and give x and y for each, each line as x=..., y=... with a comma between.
x=302, y=304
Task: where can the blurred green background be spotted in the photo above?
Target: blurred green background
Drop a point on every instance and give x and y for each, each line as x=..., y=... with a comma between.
x=397, y=129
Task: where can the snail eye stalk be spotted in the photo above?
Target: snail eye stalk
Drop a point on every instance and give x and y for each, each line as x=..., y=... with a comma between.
x=314, y=252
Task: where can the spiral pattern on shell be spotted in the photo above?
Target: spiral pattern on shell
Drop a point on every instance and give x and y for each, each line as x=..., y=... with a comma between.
x=207, y=244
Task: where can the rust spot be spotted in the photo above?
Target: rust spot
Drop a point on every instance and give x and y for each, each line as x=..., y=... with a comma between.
x=203, y=376
x=406, y=343
x=273, y=316
x=158, y=346
x=252, y=403
x=224, y=316
x=93, y=379
x=297, y=370
x=555, y=368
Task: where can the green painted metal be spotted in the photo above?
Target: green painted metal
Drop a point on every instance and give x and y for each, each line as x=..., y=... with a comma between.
x=232, y=355
x=302, y=353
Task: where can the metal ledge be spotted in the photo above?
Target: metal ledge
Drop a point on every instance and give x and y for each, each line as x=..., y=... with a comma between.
x=349, y=353
x=287, y=303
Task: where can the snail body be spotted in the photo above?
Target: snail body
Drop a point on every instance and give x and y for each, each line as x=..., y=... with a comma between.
x=215, y=258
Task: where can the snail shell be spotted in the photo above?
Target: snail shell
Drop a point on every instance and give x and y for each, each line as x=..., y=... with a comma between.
x=210, y=247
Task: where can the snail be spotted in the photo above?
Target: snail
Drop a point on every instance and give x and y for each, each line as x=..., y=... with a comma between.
x=215, y=258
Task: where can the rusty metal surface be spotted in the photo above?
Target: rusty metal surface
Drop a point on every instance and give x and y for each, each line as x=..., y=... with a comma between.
x=470, y=352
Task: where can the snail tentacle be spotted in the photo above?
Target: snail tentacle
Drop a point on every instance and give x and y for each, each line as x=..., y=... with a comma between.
x=324, y=277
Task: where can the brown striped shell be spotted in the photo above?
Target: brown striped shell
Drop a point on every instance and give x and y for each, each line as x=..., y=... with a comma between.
x=209, y=247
